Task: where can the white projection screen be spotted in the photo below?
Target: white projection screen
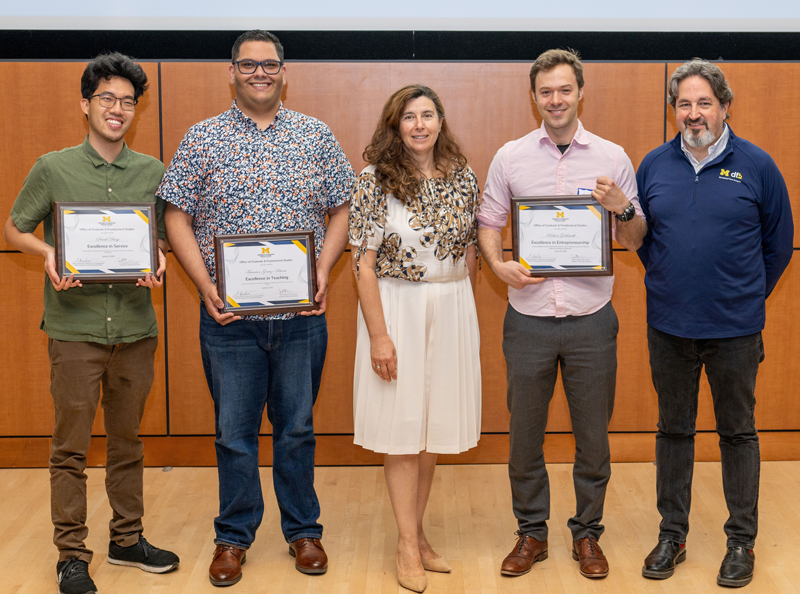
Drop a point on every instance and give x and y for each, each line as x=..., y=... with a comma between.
x=405, y=15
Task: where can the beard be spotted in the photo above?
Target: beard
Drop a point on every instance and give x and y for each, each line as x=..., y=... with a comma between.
x=698, y=140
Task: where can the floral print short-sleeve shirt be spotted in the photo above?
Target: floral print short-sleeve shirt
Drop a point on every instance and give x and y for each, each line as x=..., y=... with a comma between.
x=233, y=177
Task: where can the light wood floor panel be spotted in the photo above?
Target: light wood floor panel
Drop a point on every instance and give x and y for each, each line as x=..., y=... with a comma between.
x=469, y=521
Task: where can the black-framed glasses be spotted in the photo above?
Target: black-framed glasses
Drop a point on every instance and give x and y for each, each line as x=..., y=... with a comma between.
x=250, y=66
x=108, y=101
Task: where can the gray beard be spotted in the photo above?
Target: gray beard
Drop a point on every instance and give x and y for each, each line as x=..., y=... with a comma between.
x=698, y=140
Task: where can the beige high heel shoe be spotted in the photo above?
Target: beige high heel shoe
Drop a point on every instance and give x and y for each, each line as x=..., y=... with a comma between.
x=415, y=583
x=439, y=565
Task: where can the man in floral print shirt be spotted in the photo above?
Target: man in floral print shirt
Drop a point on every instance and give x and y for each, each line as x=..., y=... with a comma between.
x=253, y=169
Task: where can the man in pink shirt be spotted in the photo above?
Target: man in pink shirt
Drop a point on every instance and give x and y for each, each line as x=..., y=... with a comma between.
x=559, y=321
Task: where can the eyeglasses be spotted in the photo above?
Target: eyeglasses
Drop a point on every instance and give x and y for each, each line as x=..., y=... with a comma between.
x=250, y=66
x=108, y=101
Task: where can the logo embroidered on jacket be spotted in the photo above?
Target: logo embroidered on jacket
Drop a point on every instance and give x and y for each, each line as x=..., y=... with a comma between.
x=730, y=176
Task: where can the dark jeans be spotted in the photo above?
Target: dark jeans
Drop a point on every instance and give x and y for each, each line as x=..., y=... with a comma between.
x=731, y=367
x=249, y=365
x=77, y=371
x=586, y=349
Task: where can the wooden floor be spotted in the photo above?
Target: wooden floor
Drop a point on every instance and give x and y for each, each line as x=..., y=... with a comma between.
x=469, y=522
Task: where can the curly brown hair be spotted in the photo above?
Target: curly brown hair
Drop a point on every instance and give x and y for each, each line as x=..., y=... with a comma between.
x=395, y=171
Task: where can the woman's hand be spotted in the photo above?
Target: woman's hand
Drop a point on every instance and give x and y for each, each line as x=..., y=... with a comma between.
x=384, y=357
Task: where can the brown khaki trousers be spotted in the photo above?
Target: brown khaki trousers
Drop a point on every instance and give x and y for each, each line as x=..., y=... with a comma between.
x=77, y=370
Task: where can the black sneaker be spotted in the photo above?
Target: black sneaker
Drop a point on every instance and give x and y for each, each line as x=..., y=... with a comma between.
x=144, y=556
x=73, y=577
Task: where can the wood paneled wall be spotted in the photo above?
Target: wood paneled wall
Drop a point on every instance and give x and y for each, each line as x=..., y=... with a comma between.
x=487, y=105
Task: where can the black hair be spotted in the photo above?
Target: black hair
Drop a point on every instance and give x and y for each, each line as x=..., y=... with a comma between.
x=256, y=35
x=106, y=66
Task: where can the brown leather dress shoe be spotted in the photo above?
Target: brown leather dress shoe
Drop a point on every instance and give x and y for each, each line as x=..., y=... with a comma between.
x=526, y=552
x=310, y=556
x=587, y=552
x=226, y=567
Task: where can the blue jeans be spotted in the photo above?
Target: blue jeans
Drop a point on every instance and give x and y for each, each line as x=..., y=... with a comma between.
x=250, y=364
x=731, y=367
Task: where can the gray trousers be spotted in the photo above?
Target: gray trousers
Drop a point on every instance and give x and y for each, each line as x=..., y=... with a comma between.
x=586, y=349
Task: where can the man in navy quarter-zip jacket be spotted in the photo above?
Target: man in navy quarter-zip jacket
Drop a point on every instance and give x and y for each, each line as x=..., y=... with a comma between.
x=719, y=236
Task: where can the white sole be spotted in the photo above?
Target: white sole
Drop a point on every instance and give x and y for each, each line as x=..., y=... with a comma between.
x=143, y=567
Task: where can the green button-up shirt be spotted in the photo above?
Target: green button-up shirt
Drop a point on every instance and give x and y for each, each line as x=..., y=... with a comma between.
x=104, y=313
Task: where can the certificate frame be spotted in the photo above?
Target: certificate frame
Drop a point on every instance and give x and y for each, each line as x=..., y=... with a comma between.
x=605, y=268
x=303, y=239
x=135, y=210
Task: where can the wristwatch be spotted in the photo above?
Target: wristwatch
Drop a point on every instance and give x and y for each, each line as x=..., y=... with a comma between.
x=627, y=214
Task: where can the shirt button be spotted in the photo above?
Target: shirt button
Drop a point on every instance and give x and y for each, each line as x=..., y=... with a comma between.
x=109, y=189
x=109, y=319
x=110, y=286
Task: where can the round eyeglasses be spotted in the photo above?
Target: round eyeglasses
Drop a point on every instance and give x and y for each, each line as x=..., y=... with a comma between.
x=108, y=101
x=250, y=66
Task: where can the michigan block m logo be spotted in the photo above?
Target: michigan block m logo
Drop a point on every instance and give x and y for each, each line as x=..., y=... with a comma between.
x=107, y=219
x=264, y=250
x=559, y=215
x=727, y=173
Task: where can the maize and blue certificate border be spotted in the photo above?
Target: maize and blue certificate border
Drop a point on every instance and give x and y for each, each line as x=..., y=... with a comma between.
x=296, y=251
x=561, y=204
x=132, y=224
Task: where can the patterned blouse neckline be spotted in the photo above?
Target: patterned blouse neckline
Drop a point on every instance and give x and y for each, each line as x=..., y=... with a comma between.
x=441, y=214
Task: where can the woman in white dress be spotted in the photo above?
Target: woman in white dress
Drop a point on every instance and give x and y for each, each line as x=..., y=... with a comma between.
x=417, y=389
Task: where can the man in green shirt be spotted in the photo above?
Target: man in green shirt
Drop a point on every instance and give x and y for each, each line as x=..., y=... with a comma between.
x=99, y=334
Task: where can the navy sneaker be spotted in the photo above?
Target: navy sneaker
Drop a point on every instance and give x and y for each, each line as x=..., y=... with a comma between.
x=144, y=556
x=73, y=577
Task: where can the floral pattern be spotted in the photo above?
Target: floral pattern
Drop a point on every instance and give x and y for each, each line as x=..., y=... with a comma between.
x=444, y=212
x=233, y=177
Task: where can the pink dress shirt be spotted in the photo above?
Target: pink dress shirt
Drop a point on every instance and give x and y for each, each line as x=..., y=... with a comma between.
x=533, y=166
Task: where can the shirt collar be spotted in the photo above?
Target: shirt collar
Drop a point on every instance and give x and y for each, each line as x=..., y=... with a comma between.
x=581, y=135
x=121, y=161
x=245, y=119
x=714, y=150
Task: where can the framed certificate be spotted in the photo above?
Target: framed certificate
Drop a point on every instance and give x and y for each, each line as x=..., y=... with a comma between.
x=266, y=273
x=561, y=235
x=102, y=241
